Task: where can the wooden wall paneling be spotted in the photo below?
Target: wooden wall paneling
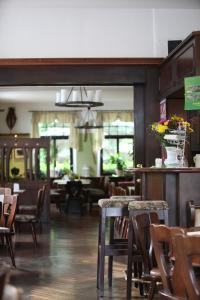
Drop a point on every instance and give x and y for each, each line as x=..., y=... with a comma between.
x=180, y=63
x=171, y=196
x=155, y=186
x=152, y=114
x=189, y=189
x=29, y=183
x=37, y=150
x=30, y=163
x=25, y=162
x=2, y=163
x=185, y=63
x=139, y=120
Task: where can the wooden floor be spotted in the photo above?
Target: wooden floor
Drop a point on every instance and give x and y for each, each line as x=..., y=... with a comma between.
x=63, y=267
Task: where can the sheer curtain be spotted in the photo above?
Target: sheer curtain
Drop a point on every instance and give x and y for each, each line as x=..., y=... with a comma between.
x=62, y=118
x=75, y=139
x=109, y=117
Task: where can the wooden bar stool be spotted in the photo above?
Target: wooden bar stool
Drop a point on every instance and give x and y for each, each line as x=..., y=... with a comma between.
x=110, y=210
x=135, y=208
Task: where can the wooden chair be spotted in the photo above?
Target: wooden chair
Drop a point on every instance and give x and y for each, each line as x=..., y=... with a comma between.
x=6, y=229
x=192, y=214
x=137, y=208
x=110, y=210
x=32, y=219
x=31, y=209
x=141, y=225
x=163, y=245
x=188, y=254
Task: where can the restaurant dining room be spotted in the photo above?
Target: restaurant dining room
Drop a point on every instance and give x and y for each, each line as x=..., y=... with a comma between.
x=99, y=150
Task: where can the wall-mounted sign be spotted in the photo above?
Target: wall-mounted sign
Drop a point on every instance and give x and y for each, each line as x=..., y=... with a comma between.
x=192, y=93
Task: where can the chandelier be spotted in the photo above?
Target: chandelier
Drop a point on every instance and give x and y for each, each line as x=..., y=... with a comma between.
x=88, y=120
x=78, y=97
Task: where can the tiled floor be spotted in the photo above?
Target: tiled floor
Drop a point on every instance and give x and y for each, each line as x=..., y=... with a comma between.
x=63, y=267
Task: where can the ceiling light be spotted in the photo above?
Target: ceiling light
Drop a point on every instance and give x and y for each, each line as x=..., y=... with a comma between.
x=88, y=120
x=79, y=97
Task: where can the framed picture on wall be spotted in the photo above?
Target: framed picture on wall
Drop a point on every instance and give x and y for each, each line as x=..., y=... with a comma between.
x=19, y=153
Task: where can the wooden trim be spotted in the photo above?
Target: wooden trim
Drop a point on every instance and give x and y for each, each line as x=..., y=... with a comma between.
x=185, y=41
x=23, y=62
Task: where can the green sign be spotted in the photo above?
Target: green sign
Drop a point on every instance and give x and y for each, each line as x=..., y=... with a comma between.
x=192, y=93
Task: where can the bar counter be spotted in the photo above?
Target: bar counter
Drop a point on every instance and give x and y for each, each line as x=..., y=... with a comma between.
x=175, y=185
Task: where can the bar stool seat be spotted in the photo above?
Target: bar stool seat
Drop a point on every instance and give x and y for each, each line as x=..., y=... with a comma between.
x=110, y=210
x=139, y=207
x=149, y=205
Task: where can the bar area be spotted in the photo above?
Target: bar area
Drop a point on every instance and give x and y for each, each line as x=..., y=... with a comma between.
x=174, y=185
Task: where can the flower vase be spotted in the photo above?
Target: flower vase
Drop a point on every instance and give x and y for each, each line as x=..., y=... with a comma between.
x=172, y=157
x=119, y=172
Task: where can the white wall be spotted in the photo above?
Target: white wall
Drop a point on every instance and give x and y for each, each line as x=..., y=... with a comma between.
x=128, y=28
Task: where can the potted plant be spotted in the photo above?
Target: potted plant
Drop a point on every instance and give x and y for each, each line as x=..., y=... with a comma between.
x=119, y=163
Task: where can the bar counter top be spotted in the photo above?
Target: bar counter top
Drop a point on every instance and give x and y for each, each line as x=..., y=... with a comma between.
x=164, y=170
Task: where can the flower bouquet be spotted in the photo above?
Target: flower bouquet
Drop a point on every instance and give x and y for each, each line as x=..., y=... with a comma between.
x=172, y=130
x=172, y=134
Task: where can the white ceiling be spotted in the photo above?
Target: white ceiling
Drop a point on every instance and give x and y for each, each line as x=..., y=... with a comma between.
x=44, y=97
x=104, y=3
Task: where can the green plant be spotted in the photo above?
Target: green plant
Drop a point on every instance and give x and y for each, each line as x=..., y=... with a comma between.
x=118, y=161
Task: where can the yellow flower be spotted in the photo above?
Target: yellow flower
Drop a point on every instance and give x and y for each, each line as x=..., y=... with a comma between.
x=161, y=128
x=166, y=123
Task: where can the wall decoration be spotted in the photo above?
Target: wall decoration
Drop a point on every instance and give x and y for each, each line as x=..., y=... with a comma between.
x=192, y=93
x=11, y=118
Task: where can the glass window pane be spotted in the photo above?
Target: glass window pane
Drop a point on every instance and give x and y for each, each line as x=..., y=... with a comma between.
x=109, y=148
x=62, y=155
x=126, y=151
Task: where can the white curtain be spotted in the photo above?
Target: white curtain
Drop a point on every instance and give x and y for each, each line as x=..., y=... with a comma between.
x=71, y=118
x=61, y=117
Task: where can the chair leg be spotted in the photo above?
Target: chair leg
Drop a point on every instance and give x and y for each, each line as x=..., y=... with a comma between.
x=98, y=251
x=141, y=285
x=130, y=260
x=152, y=289
x=110, y=258
x=10, y=249
x=102, y=253
x=110, y=268
x=33, y=233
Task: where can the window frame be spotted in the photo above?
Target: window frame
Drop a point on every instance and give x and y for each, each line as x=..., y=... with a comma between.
x=117, y=138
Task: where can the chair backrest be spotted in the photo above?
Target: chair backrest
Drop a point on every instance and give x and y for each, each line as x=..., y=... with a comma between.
x=5, y=191
x=188, y=253
x=163, y=238
x=117, y=191
x=11, y=200
x=40, y=201
x=193, y=214
x=141, y=225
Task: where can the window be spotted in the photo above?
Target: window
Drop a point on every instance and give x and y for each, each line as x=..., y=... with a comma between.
x=118, y=139
x=61, y=155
